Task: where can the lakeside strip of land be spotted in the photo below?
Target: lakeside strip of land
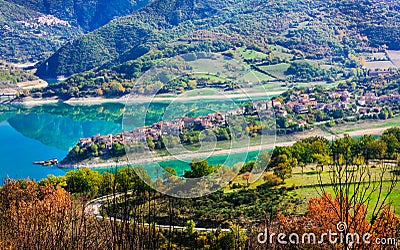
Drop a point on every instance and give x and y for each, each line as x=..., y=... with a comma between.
x=281, y=143
x=152, y=158
x=29, y=101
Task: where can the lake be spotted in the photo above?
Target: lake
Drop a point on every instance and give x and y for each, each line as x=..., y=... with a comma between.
x=49, y=131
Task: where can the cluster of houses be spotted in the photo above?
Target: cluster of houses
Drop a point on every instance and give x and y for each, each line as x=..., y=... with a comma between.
x=307, y=102
x=301, y=102
x=45, y=20
x=163, y=128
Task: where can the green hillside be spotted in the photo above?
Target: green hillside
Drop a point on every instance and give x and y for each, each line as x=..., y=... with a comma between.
x=26, y=35
x=122, y=37
x=317, y=29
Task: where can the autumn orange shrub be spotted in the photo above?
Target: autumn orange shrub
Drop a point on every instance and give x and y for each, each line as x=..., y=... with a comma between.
x=43, y=217
x=339, y=216
x=48, y=217
x=32, y=215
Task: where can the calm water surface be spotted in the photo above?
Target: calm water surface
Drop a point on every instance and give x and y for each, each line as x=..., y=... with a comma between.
x=44, y=132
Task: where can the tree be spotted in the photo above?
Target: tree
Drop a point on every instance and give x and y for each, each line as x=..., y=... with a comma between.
x=248, y=167
x=54, y=180
x=322, y=217
x=384, y=114
x=302, y=165
x=353, y=187
x=116, y=88
x=304, y=71
x=376, y=149
x=127, y=179
x=45, y=216
x=223, y=134
x=118, y=149
x=199, y=168
x=283, y=170
x=364, y=146
x=237, y=167
x=190, y=225
x=344, y=148
x=107, y=184
x=337, y=113
x=282, y=122
x=248, y=108
x=73, y=91
x=99, y=92
x=32, y=216
x=75, y=150
x=150, y=143
x=322, y=160
x=348, y=205
x=84, y=181
x=246, y=176
x=94, y=148
x=392, y=139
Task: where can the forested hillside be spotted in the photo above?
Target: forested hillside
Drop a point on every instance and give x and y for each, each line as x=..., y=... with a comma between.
x=317, y=29
x=129, y=37
x=32, y=30
x=26, y=35
x=88, y=15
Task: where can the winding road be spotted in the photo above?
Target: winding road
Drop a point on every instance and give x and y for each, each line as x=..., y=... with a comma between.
x=93, y=207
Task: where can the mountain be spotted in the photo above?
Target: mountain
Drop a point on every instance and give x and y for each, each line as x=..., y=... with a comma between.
x=86, y=14
x=31, y=30
x=27, y=35
x=316, y=28
x=122, y=35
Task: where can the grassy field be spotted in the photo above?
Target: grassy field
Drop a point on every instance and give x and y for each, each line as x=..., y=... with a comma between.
x=273, y=86
x=379, y=65
x=249, y=54
x=307, y=193
x=256, y=77
x=279, y=51
x=310, y=175
x=394, y=56
x=277, y=70
x=202, y=92
x=307, y=185
x=210, y=77
x=361, y=125
x=216, y=66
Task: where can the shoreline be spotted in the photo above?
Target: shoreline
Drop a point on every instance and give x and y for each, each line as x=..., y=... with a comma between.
x=249, y=149
x=154, y=159
x=29, y=101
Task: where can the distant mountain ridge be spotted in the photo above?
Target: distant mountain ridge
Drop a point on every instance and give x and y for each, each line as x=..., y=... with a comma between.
x=27, y=35
x=87, y=14
x=130, y=36
x=31, y=30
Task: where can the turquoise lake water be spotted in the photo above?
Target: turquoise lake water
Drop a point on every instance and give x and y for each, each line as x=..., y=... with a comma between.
x=44, y=132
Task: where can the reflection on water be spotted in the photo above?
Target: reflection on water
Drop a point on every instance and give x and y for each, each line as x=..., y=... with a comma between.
x=48, y=131
x=18, y=152
x=59, y=131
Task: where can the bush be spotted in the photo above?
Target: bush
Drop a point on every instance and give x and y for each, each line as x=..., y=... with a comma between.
x=271, y=180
